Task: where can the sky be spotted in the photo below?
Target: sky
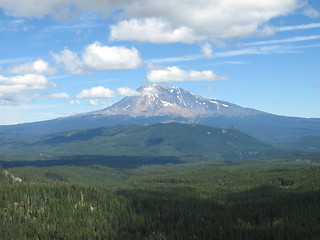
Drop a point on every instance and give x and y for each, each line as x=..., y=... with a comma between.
x=64, y=57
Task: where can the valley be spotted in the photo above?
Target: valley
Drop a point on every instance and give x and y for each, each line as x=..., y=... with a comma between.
x=186, y=141
x=161, y=176
x=159, y=120
x=157, y=103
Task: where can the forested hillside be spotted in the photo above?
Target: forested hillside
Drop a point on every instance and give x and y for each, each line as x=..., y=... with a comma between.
x=161, y=202
x=191, y=142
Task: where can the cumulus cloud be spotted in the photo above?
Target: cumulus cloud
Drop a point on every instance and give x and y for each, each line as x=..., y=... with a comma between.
x=99, y=57
x=96, y=92
x=167, y=20
x=60, y=95
x=71, y=61
x=125, y=91
x=36, y=67
x=175, y=74
x=154, y=30
x=22, y=88
x=198, y=20
x=25, y=82
x=206, y=49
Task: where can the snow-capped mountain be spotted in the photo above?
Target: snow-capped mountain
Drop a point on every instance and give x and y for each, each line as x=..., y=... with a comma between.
x=160, y=104
x=159, y=100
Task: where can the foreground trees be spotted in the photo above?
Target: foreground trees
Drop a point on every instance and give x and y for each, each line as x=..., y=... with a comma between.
x=162, y=208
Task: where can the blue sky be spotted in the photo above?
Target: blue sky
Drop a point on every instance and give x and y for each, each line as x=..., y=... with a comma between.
x=64, y=57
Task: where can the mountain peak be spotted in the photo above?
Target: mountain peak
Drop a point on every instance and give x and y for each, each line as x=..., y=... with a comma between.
x=161, y=100
x=157, y=104
x=152, y=87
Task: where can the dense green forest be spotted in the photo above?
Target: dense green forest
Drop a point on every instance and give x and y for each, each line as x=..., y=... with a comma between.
x=186, y=141
x=265, y=199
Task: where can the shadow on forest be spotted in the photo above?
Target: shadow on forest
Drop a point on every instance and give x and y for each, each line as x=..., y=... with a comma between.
x=84, y=160
x=265, y=212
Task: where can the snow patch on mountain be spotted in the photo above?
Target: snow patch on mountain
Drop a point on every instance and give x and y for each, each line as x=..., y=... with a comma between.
x=160, y=100
x=168, y=104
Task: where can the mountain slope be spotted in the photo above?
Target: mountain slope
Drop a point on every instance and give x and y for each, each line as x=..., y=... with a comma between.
x=159, y=100
x=194, y=142
x=307, y=144
x=159, y=104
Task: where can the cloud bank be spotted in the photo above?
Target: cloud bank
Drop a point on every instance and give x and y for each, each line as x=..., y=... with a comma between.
x=36, y=67
x=99, y=57
x=163, y=21
x=22, y=88
x=175, y=74
x=96, y=92
x=153, y=30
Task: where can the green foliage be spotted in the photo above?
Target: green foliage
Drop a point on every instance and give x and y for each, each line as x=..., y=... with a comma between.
x=309, y=143
x=84, y=160
x=65, y=211
x=191, y=142
x=265, y=212
x=208, y=200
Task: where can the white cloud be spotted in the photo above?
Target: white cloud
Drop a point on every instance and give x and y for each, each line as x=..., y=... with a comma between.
x=94, y=102
x=206, y=49
x=22, y=88
x=297, y=27
x=77, y=101
x=25, y=82
x=311, y=12
x=96, y=92
x=253, y=48
x=215, y=19
x=99, y=57
x=87, y=21
x=201, y=20
x=256, y=51
x=71, y=61
x=60, y=9
x=264, y=50
x=286, y=40
x=31, y=8
x=175, y=74
x=36, y=67
x=176, y=59
x=125, y=91
x=152, y=30
x=60, y=95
